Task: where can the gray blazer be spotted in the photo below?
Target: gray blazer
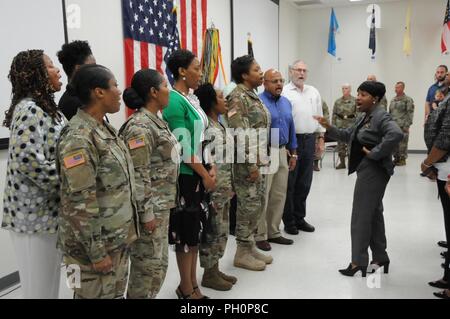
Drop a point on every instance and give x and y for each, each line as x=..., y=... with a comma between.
x=381, y=134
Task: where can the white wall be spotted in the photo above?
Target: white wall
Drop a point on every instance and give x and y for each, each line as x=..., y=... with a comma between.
x=390, y=66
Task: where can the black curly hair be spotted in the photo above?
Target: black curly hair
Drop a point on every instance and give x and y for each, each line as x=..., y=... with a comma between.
x=207, y=95
x=29, y=79
x=73, y=54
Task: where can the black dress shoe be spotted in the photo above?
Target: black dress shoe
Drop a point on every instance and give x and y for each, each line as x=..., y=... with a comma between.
x=306, y=227
x=291, y=230
x=438, y=284
x=281, y=240
x=442, y=244
x=444, y=254
x=442, y=294
x=351, y=271
x=263, y=245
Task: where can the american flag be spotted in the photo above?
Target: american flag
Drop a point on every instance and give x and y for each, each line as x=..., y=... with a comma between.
x=445, y=38
x=152, y=31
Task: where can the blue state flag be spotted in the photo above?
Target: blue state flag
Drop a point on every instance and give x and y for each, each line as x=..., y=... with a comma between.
x=334, y=27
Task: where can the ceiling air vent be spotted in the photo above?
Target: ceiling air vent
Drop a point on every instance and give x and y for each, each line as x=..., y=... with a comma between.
x=302, y=3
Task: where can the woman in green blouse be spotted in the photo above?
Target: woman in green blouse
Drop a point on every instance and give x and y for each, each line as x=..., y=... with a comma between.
x=188, y=122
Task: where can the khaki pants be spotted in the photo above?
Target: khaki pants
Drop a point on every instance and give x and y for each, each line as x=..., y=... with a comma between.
x=269, y=223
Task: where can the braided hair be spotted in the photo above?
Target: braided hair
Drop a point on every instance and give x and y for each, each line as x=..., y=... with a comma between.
x=29, y=79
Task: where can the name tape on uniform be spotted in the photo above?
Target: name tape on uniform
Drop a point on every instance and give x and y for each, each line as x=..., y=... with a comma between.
x=74, y=160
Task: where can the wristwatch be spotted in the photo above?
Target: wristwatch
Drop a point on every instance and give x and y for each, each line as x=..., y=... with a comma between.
x=294, y=156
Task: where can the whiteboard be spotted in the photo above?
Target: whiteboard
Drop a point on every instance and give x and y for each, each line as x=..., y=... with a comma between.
x=260, y=18
x=27, y=24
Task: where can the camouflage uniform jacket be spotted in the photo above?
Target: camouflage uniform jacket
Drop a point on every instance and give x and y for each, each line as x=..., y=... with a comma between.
x=221, y=150
x=247, y=111
x=156, y=158
x=98, y=207
x=344, y=112
x=325, y=110
x=402, y=110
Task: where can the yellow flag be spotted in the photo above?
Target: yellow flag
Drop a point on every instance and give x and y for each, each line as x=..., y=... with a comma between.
x=407, y=36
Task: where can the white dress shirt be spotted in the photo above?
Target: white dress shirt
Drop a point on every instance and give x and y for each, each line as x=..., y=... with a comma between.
x=305, y=104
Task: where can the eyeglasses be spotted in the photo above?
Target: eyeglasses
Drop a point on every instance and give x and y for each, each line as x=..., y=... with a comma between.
x=277, y=81
x=300, y=70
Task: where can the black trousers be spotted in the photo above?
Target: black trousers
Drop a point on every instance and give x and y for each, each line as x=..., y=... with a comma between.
x=367, y=225
x=445, y=201
x=299, y=181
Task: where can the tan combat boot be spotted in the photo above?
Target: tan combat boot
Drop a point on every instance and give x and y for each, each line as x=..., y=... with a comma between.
x=212, y=279
x=228, y=278
x=244, y=259
x=341, y=163
x=267, y=259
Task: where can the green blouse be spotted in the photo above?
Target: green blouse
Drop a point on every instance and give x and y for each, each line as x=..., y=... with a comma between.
x=188, y=123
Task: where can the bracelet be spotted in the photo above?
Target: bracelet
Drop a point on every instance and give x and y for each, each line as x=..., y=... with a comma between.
x=426, y=165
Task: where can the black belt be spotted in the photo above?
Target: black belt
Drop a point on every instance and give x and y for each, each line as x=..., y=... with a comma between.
x=306, y=134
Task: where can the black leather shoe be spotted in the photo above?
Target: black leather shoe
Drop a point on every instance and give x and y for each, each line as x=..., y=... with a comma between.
x=442, y=294
x=306, y=227
x=438, y=284
x=263, y=245
x=351, y=271
x=281, y=240
x=444, y=254
x=442, y=244
x=291, y=230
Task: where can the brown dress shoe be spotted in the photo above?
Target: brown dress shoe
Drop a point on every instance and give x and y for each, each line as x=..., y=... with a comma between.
x=281, y=241
x=263, y=245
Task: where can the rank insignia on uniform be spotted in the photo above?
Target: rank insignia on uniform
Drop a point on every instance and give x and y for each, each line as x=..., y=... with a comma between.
x=74, y=160
x=232, y=112
x=136, y=142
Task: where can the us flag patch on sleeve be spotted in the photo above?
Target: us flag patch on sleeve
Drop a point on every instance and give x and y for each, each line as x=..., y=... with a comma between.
x=137, y=142
x=74, y=160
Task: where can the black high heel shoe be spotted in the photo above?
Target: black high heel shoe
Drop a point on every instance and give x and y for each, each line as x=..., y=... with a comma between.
x=351, y=271
x=180, y=294
x=204, y=297
x=374, y=266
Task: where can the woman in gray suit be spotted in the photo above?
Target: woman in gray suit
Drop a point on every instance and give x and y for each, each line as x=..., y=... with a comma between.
x=372, y=140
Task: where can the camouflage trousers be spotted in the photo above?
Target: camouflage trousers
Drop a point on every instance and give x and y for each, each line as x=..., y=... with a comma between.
x=214, y=248
x=401, y=151
x=94, y=285
x=149, y=260
x=250, y=205
x=342, y=149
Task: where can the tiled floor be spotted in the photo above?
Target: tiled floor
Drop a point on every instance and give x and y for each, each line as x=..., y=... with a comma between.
x=308, y=269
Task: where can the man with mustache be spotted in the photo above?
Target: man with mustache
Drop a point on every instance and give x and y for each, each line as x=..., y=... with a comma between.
x=306, y=103
x=286, y=150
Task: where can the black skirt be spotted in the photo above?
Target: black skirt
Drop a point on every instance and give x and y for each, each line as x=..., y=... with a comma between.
x=187, y=220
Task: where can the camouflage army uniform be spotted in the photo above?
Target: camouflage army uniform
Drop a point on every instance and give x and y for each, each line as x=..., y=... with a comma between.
x=344, y=115
x=384, y=103
x=326, y=114
x=152, y=146
x=402, y=111
x=98, y=207
x=246, y=111
x=214, y=248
